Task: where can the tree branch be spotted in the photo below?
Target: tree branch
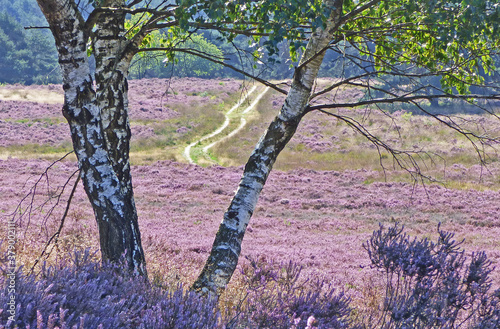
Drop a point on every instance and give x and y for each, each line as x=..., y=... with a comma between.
x=404, y=159
x=401, y=99
x=356, y=11
x=36, y=27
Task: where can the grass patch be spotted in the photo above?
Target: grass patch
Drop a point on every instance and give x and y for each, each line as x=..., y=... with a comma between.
x=150, y=156
x=27, y=151
x=351, y=151
x=29, y=121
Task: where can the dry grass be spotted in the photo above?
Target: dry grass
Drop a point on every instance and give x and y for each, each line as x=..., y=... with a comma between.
x=324, y=143
x=236, y=150
x=30, y=95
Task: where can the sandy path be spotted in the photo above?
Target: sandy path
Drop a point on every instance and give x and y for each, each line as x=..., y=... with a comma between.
x=187, y=150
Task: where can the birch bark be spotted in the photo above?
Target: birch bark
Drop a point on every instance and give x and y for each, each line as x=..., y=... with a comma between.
x=99, y=124
x=226, y=248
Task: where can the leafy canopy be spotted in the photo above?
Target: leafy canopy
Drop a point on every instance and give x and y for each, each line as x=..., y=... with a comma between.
x=455, y=39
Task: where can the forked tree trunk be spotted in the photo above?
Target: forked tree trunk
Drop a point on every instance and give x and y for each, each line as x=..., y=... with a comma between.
x=99, y=125
x=226, y=248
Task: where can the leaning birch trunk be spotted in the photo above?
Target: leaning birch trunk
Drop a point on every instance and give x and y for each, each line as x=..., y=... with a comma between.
x=113, y=206
x=226, y=248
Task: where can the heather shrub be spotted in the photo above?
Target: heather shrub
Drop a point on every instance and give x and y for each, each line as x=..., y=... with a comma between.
x=182, y=310
x=278, y=297
x=431, y=284
x=80, y=293
x=427, y=285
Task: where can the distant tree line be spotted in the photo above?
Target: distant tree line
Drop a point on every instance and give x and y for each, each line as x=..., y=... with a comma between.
x=243, y=53
x=28, y=56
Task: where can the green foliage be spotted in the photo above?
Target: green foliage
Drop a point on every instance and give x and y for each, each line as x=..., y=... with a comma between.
x=178, y=55
x=179, y=59
x=188, y=64
x=24, y=12
x=280, y=20
x=452, y=38
x=27, y=57
x=406, y=116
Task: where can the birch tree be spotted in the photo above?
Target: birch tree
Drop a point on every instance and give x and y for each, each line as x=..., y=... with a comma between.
x=410, y=40
x=98, y=120
x=227, y=245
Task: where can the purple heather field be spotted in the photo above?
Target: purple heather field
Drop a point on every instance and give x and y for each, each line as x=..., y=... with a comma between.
x=23, y=122
x=318, y=219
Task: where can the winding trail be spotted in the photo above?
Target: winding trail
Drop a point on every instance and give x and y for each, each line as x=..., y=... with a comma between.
x=243, y=122
x=187, y=150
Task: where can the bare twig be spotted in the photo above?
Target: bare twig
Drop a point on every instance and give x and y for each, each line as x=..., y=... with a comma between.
x=57, y=234
x=52, y=200
x=32, y=193
x=401, y=99
x=36, y=27
x=404, y=159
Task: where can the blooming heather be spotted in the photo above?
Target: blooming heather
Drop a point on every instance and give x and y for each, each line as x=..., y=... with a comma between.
x=319, y=219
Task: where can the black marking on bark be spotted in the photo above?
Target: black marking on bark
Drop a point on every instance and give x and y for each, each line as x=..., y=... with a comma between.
x=246, y=186
x=232, y=215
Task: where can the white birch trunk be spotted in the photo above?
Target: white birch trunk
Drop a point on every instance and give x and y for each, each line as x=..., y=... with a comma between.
x=105, y=174
x=226, y=248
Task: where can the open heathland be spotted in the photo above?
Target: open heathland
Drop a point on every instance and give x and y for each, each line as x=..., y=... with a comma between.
x=329, y=192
